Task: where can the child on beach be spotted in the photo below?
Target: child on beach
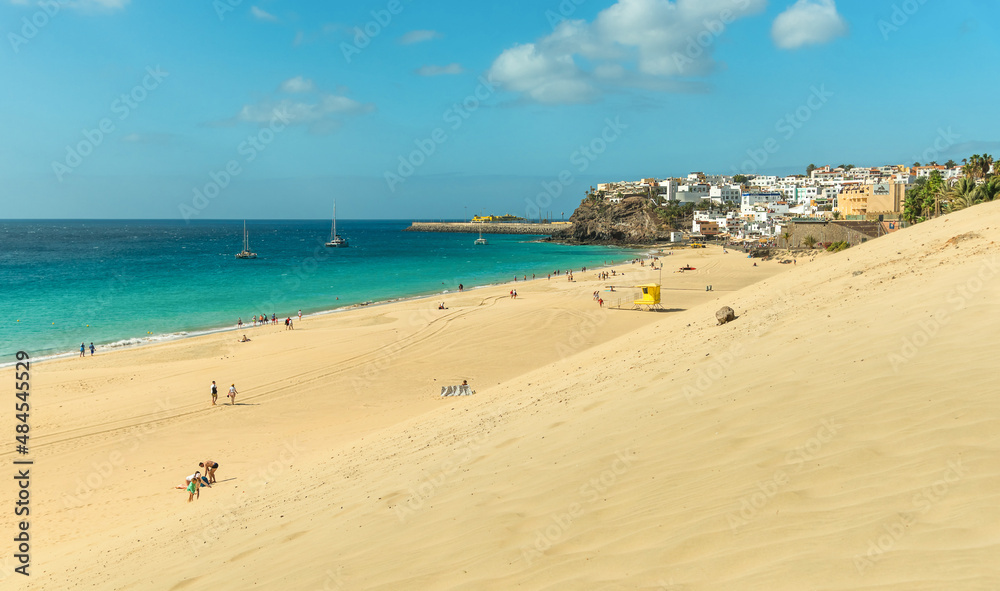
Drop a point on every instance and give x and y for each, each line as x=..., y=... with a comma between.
x=193, y=487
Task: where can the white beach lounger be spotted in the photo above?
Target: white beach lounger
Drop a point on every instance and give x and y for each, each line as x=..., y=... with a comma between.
x=463, y=390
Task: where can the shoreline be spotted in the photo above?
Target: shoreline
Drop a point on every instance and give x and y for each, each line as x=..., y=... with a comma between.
x=131, y=343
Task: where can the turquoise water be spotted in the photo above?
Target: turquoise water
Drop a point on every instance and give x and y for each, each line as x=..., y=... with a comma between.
x=120, y=283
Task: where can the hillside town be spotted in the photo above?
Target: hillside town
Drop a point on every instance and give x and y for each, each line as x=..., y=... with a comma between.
x=826, y=205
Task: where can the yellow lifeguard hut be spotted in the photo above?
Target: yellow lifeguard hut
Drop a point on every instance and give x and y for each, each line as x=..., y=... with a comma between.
x=650, y=297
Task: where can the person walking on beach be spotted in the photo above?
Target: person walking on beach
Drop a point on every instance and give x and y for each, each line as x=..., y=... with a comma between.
x=210, y=468
x=91, y=349
x=239, y=322
x=274, y=318
x=300, y=315
x=215, y=392
x=83, y=350
x=232, y=394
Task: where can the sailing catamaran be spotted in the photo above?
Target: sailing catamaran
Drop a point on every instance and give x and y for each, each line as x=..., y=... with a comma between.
x=335, y=240
x=245, y=253
x=480, y=240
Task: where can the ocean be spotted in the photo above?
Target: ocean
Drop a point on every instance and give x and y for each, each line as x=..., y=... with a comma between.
x=124, y=283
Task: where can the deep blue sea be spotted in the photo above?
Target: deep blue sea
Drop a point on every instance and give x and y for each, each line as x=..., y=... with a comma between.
x=120, y=283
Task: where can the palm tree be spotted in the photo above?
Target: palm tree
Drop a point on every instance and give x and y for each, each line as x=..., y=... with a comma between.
x=985, y=163
x=943, y=194
x=787, y=237
x=989, y=190
x=971, y=169
x=809, y=241
x=978, y=166
x=964, y=194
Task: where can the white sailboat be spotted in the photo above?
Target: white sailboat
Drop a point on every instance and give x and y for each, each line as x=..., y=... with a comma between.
x=245, y=253
x=481, y=240
x=335, y=239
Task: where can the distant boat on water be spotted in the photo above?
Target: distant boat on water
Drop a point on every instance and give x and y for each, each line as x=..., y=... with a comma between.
x=481, y=240
x=246, y=253
x=336, y=241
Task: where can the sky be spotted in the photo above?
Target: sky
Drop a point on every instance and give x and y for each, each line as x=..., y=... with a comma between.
x=401, y=109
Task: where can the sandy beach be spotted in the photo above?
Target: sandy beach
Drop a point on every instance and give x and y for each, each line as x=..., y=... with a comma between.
x=840, y=434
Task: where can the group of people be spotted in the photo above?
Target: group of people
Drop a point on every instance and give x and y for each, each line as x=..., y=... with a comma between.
x=262, y=320
x=232, y=393
x=198, y=480
x=83, y=350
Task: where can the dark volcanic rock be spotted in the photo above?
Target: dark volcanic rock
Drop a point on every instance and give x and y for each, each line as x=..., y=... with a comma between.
x=596, y=221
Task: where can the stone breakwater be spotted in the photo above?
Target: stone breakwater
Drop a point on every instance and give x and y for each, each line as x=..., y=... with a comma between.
x=469, y=228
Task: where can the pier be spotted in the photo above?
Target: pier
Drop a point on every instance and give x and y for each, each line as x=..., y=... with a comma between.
x=490, y=228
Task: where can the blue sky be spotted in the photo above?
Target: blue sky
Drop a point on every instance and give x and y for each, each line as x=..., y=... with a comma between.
x=400, y=109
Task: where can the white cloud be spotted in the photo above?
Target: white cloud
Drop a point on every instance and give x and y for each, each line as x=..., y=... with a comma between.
x=323, y=114
x=419, y=37
x=262, y=15
x=656, y=44
x=808, y=22
x=544, y=77
x=298, y=84
x=450, y=69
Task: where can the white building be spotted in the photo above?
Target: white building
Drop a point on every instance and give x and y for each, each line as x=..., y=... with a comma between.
x=667, y=190
x=692, y=192
x=725, y=194
x=765, y=199
x=764, y=181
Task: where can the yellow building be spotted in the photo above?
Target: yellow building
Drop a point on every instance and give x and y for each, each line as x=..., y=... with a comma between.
x=492, y=219
x=881, y=198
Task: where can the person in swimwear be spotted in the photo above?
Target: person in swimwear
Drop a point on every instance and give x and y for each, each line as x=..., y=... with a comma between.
x=210, y=468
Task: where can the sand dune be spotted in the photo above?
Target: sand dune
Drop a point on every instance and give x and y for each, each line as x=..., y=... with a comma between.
x=840, y=434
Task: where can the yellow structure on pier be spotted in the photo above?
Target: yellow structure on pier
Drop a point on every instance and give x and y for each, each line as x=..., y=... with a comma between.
x=650, y=296
x=496, y=219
